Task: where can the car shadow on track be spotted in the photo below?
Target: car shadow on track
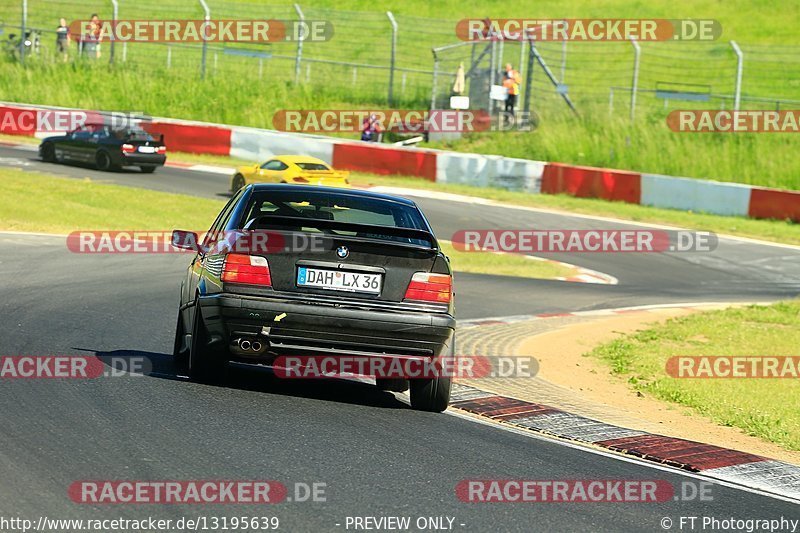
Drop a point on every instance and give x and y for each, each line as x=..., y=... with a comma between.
x=89, y=166
x=162, y=366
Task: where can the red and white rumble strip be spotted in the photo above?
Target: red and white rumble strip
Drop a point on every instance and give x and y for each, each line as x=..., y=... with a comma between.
x=732, y=466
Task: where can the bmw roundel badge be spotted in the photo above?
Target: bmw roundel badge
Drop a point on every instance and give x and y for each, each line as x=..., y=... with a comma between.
x=342, y=252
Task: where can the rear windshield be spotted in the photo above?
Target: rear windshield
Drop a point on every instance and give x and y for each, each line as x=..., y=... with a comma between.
x=312, y=166
x=132, y=135
x=265, y=207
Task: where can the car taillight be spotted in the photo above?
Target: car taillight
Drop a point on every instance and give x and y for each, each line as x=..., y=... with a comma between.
x=250, y=269
x=428, y=287
x=128, y=148
x=162, y=150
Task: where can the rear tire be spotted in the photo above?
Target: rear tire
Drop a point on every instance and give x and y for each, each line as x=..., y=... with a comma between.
x=148, y=169
x=49, y=153
x=206, y=365
x=103, y=161
x=238, y=183
x=392, y=384
x=432, y=395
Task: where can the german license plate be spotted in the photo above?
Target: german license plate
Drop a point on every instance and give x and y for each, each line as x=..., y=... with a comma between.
x=147, y=149
x=338, y=280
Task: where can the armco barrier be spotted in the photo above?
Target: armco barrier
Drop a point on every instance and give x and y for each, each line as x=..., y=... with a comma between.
x=590, y=182
x=192, y=138
x=773, y=203
x=729, y=199
x=15, y=121
x=453, y=167
x=260, y=145
x=489, y=171
x=368, y=157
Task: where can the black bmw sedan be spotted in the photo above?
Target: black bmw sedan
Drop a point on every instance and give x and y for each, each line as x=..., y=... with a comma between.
x=300, y=270
x=106, y=148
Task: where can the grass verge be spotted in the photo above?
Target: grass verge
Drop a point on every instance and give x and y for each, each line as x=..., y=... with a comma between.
x=766, y=408
x=769, y=230
x=73, y=204
x=505, y=264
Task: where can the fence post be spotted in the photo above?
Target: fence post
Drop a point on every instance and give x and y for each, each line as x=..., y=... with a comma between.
x=492, y=73
x=635, y=88
x=114, y=16
x=394, y=55
x=24, y=25
x=610, y=102
x=207, y=17
x=529, y=78
x=301, y=37
x=737, y=97
x=435, y=76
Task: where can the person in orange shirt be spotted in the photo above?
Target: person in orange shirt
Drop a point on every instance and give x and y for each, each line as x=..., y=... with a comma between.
x=511, y=82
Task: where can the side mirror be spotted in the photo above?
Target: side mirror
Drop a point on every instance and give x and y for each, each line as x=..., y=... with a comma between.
x=185, y=240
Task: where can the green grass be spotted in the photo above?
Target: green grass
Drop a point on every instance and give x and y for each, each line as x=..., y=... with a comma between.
x=766, y=408
x=74, y=205
x=504, y=264
x=236, y=91
x=770, y=230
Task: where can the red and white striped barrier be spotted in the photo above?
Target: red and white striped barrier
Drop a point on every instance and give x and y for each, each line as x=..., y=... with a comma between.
x=706, y=196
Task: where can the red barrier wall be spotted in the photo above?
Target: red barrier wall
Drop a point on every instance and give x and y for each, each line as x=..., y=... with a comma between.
x=192, y=138
x=590, y=182
x=17, y=121
x=767, y=203
x=378, y=160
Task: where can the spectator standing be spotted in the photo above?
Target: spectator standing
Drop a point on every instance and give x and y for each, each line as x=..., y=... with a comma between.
x=371, y=129
x=62, y=39
x=511, y=82
x=92, y=39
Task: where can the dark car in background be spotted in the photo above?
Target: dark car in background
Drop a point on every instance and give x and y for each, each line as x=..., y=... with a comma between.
x=374, y=283
x=106, y=148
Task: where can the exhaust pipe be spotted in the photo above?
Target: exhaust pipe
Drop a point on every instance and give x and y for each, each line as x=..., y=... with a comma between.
x=249, y=345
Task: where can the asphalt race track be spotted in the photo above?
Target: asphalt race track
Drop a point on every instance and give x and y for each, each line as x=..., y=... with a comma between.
x=375, y=455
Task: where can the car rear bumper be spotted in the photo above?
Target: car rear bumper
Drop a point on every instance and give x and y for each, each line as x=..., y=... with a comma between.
x=142, y=159
x=296, y=328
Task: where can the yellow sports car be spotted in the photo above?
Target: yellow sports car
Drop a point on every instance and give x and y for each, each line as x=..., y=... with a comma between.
x=290, y=169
